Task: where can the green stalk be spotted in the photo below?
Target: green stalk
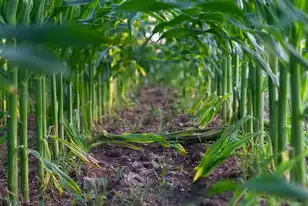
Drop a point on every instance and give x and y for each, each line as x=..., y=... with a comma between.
x=224, y=89
x=90, y=98
x=78, y=102
x=259, y=105
x=39, y=129
x=214, y=85
x=283, y=113
x=94, y=102
x=250, y=100
x=12, y=122
x=83, y=103
x=55, y=144
x=209, y=87
x=273, y=109
x=229, y=87
x=12, y=142
x=298, y=172
x=44, y=102
x=61, y=108
x=70, y=103
x=249, y=111
x=99, y=103
x=252, y=72
x=244, y=85
x=219, y=85
x=24, y=168
x=235, y=72
x=111, y=86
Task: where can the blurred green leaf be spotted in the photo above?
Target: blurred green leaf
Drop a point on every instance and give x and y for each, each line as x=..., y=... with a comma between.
x=6, y=85
x=223, y=186
x=274, y=185
x=77, y=2
x=70, y=35
x=3, y=139
x=33, y=60
x=144, y=6
x=224, y=6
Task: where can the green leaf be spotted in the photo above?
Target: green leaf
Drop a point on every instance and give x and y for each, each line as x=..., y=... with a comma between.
x=77, y=2
x=174, y=22
x=144, y=6
x=6, y=85
x=66, y=181
x=224, y=6
x=3, y=139
x=274, y=185
x=33, y=60
x=223, y=186
x=175, y=33
x=179, y=148
x=263, y=63
x=78, y=151
x=222, y=149
x=69, y=35
x=145, y=138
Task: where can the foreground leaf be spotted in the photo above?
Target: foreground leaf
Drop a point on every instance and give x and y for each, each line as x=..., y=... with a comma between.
x=70, y=35
x=34, y=60
x=6, y=85
x=274, y=185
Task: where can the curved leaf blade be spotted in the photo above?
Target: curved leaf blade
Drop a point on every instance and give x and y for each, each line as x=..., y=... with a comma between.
x=34, y=60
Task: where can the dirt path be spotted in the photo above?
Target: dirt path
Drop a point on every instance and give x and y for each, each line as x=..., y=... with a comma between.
x=155, y=175
x=152, y=176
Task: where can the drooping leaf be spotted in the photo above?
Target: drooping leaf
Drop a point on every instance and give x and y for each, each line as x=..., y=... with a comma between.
x=179, y=148
x=69, y=35
x=33, y=60
x=224, y=6
x=274, y=185
x=66, y=180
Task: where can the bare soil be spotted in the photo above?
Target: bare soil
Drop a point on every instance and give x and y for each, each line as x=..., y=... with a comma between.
x=152, y=176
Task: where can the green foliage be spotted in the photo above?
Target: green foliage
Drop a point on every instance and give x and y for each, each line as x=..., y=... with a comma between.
x=274, y=185
x=207, y=108
x=33, y=60
x=65, y=180
x=222, y=149
x=144, y=6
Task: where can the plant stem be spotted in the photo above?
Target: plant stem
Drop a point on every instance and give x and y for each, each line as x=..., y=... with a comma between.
x=229, y=87
x=235, y=85
x=244, y=85
x=24, y=168
x=273, y=109
x=12, y=122
x=55, y=123
x=61, y=109
x=282, y=113
x=39, y=130
x=70, y=103
x=12, y=142
x=297, y=136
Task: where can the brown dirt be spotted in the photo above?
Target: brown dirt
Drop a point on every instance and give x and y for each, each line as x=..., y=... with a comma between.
x=155, y=175
x=152, y=176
